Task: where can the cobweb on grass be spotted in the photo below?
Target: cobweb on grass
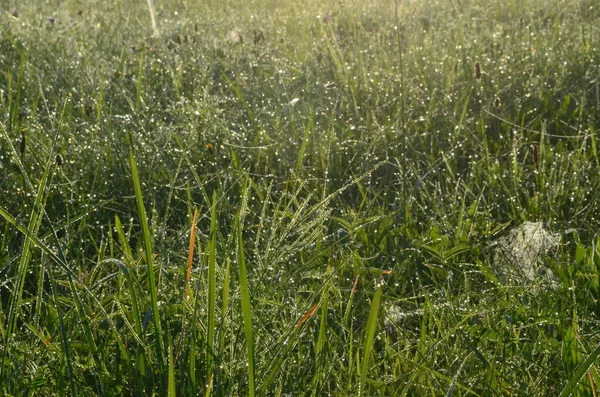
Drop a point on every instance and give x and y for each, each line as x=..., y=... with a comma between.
x=520, y=254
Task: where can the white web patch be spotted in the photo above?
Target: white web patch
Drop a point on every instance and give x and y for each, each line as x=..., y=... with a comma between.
x=521, y=253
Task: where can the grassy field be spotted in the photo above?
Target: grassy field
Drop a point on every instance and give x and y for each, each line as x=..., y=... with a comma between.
x=260, y=197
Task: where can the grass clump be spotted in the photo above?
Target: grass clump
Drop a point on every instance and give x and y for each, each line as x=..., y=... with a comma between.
x=256, y=198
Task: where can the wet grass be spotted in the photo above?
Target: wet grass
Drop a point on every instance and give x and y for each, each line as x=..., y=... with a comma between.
x=299, y=198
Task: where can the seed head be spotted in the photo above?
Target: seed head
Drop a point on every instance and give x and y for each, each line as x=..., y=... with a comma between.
x=497, y=103
x=477, y=70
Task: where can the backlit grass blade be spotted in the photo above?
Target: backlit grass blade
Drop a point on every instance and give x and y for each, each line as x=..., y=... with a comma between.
x=370, y=337
x=149, y=263
x=188, y=273
x=245, y=295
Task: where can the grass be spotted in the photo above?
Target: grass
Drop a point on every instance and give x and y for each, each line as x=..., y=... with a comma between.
x=290, y=198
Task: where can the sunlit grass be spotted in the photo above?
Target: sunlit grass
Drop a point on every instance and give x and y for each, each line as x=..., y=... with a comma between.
x=358, y=182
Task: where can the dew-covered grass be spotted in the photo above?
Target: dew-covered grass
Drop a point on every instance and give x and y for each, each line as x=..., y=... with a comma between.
x=299, y=198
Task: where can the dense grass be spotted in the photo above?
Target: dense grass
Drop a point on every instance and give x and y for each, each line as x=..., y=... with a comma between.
x=358, y=190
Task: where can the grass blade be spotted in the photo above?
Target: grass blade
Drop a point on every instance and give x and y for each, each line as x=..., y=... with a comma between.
x=245, y=296
x=192, y=353
x=171, y=392
x=321, y=341
x=141, y=361
x=149, y=262
x=371, y=327
x=212, y=261
x=224, y=309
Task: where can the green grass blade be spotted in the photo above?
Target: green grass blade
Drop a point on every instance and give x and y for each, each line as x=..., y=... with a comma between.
x=122, y=238
x=212, y=264
x=192, y=354
x=245, y=296
x=321, y=341
x=39, y=301
x=149, y=252
x=224, y=309
x=171, y=389
x=371, y=327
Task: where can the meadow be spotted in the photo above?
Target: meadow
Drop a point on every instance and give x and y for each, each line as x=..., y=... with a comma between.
x=279, y=198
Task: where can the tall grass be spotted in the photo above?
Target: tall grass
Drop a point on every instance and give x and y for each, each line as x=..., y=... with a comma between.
x=246, y=304
x=360, y=187
x=149, y=257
